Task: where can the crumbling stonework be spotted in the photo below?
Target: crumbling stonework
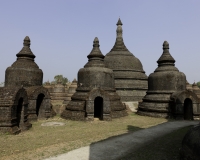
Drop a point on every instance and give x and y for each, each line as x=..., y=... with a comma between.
x=130, y=78
x=49, y=87
x=67, y=86
x=196, y=89
x=188, y=86
x=13, y=110
x=39, y=102
x=61, y=94
x=70, y=92
x=58, y=93
x=95, y=95
x=167, y=95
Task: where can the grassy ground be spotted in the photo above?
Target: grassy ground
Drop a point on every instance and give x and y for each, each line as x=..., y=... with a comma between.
x=44, y=141
x=164, y=148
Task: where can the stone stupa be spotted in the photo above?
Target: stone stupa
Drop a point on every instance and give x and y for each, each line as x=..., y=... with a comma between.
x=24, y=72
x=130, y=78
x=167, y=95
x=95, y=96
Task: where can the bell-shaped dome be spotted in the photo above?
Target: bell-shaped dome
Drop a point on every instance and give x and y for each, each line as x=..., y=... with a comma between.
x=130, y=78
x=166, y=77
x=24, y=71
x=95, y=74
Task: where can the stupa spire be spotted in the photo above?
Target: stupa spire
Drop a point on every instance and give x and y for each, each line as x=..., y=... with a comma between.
x=166, y=57
x=96, y=52
x=26, y=51
x=119, y=22
x=119, y=43
x=27, y=41
x=96, y=58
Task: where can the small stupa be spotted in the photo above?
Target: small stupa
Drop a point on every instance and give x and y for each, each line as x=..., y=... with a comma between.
x=95, y=96
x=58, y=93
x=24, y=72
x=165, y=80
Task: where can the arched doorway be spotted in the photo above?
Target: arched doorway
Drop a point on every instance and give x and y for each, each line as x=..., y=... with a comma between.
x=188, y=109
x=40, y=98
x=19, y=111
x=98, y=108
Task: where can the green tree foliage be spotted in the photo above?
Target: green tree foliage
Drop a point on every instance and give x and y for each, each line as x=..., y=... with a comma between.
x=60, y=78
x=198, y=84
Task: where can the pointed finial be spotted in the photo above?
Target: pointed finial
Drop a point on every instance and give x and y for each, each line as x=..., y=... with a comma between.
x=95, y=51
x=166, y=56
x=95, y=58
x=27, y=41
x=165, y=45
x=119, y=22
x=96, y=42
x=26, y=50
x=119, y=43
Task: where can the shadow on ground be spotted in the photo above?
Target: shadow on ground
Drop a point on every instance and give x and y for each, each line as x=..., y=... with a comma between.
x=100, y=145
x=162, y=148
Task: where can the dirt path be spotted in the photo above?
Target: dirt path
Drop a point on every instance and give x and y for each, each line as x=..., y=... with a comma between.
x=116, y=147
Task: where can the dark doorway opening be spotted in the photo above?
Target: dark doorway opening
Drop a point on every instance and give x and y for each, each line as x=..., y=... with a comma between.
x=98, y=108
x=188, y=109
x=19, y=110
x=40, y=98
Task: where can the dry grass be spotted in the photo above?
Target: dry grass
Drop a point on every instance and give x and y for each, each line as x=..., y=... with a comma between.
x=44, y=141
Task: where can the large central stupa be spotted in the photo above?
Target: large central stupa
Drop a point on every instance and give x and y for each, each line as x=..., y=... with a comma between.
x=130, y=78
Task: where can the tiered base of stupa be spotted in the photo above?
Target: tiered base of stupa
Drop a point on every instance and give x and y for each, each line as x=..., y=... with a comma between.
x=97, y=103
x=155, y=105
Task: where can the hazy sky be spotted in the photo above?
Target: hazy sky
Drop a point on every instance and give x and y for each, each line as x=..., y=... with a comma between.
x=62, y=32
